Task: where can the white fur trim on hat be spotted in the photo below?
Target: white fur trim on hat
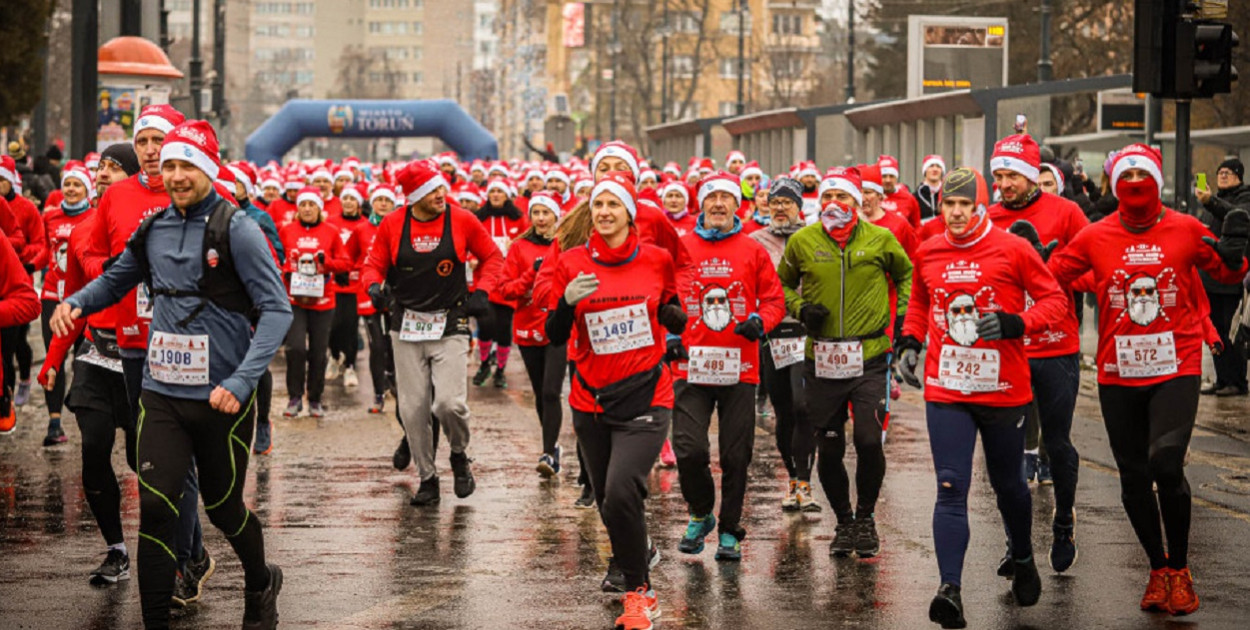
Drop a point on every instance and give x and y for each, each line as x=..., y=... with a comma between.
x=428, y=187
x=837, y=183
x=383, y=192
x=558, y=175
x=889, y=170
x=152, y=121
x=344, y=172
x=309, y=196
x=532, y=173
x=618, y=191
x=718, y=184
x=1054, y=170
x=240, y=176
x=501, y=185
x=351, y=191
x=9, y=175
x=807, y=170
x=1125, y=162
x=270, y=182
x=79, y=175
x=874, y=187
x=293, y=184
x=548, y=203
x=616, y=151
x=932, y=160
x=677, y=186
x=320, y=173
x=1015, y=165
x=176, y=150
x=751, y=170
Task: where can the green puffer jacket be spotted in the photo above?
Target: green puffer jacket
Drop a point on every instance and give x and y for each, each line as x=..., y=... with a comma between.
x=854, y=284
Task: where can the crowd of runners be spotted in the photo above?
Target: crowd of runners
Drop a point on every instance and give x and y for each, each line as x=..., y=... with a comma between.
x=665, y=294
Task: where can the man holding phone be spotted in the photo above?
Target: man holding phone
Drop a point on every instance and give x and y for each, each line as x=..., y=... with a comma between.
x=1230, y=194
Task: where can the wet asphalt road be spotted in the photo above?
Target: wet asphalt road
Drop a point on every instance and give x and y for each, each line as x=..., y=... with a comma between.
x=517, y=554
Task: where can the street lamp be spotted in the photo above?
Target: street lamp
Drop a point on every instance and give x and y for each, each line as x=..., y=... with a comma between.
x=664, y=31
x=743, y=12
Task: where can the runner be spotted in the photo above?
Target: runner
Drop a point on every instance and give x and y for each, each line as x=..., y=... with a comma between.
x=504, y=222
x=381, y=364
x=968, y=303
x=616, y=299
x=19, y=304
x=781, y=362
x=676, y=198
x=34, y=256
x=837, y=275
x=314, y=252
x=345, y=328
x=896, y=198
x=1150, y=335
x=420, y=256
x=934, y=169
x=733, y=296
x=198, y=317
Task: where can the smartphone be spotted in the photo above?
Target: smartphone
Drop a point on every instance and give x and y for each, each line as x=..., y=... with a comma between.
x=1022, y=123
x=1078, y=167
x=1202, y=181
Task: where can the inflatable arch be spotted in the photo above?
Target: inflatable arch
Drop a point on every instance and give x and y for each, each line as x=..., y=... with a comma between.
x=302, y=118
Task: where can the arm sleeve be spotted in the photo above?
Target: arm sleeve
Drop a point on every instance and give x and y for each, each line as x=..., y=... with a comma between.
x=339, y=261
x=98, y=248
x=769, y=294
x=36, y=250
x=1209, y=261
x=270, y=229
x=916, y=322
x=110, y=287
x=1071, y=262
x=517, y=276
x=900, y=268
x=490, y=259
x=1050, y=305
x=560, y=320
x=789, y=274
x=543, y=295
x=255, y=267
x=19, y=303
x=378, y=260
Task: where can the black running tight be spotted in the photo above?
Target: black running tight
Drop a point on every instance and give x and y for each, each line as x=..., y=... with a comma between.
x=546, y=366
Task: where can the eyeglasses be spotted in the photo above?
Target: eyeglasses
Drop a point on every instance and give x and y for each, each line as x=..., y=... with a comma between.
x=1224, y=173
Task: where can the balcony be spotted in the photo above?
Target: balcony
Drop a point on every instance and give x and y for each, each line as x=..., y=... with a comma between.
x=794, y=43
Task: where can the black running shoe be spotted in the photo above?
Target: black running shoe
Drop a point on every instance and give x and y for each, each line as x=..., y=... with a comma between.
x=402, y=456
x=843, y=540
x=116, y=567
x=260, y=608
x=55, y=436
x=1063, y=552
x=500, y=381
x=947, y=607
x=427, y=494
x=483, y=372
x=1006, y=566
x=1026, y=586
x=867, y=543
x=614, y=580
x=186, y=590
x=463, y=476
x=587, y=500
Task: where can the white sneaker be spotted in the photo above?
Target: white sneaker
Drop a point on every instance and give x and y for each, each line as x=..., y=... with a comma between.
x=333, y=367
x=349, y=377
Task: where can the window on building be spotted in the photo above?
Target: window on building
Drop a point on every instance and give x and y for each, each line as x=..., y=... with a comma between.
x=304, y=31
x=729, y=23
x=305, y=8
x=692, y=111
x=416, y=28
x=787, y=24
x=688, y=21
x=729, y=67
x=304, y=77
x=418, y=78
x=787, y=66
x=728, y=108
x=683, y=66
x=486, y=20
x=416, y=53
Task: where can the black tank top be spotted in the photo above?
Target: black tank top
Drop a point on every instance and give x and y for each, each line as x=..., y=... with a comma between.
x=429, y=282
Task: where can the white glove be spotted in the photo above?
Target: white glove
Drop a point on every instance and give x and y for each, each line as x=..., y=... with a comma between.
x=580, y=287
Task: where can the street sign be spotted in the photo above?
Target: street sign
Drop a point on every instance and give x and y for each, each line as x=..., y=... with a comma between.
x=947, y=53
x=1121, y=110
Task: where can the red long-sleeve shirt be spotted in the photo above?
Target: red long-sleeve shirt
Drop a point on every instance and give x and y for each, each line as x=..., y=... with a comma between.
x=952, y=287
x=1150, y=318
x=467, y=232
x=730, y=280
x=58, y=227
x=281, y=211
x=684, y=225
x=346, y=228
x=18, y=302
x=358, y=250
x=35, y=250
x=302, y=244
x=10, y=226
x=517, y=284
x=904, y=204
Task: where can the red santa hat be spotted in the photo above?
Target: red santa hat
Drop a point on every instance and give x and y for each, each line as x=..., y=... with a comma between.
x=321, y=173
x=193, y=141
x=500, y=184
x=162, y=118
x=559, y=174
x=706, y=166
x=293, y=181
x=647, y=175
x=584, y=183
x=751, y=168
x=1017, y=153
x=546, y=199
x=447, y=157
x=92, y=160
x=932, y=160
x=79, y=173
x=533, y=172
x=735, y=155
x=673, y=168
x=1137, y=156
x=467, y=191
x=720, y=181
x=477, y=166
x=310, y=193
x=8, y=170
x=385, y=191
x=1054, y=170
x=870, y=177
x=342, y=172
x=805, y=169
x=621, y=186
x=846, y=179
x=420, y=179
x=674, y=186
x=616, y=149
x=351, y=190
x=888, y=165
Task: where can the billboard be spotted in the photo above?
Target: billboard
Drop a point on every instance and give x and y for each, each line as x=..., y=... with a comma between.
x=947, y=53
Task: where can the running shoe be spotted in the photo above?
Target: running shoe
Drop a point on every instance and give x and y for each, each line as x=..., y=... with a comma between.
x=115, y=568
x=483, y=371
x=186, y=590
x=427, y=494
x=761, y=408
x=464, y=485
x=315, y=410
x=1158, y=590
x=22, y=395
x=1063, y=551
x=1182, y=600
x=260, y=608
x=696, y=530
x=55, y=436
x=263, y=444
x=947, y=607
x=1031, y=464
x=587, y=500
x=350, y=379
x=668, y=459
x=1043, y=472
x=379, y=404
x=549, y=463
x=293, y=407
x=803, y=495
x=641, y=607
x=200, y=570
x=614, y=580
x=8, y=421
x=791, y=502
x=499, y=381
x=334, y=367
x=1006, y=566
x=402, y=456
x=1026, y=584
x=867, y=543
x=843, y=540
x=729, y=547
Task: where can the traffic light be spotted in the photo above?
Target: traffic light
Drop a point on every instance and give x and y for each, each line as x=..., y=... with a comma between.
x=1175, y=56
x=1213, y=71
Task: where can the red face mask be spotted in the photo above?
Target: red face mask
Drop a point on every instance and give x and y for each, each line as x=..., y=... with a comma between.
x=1139, y=202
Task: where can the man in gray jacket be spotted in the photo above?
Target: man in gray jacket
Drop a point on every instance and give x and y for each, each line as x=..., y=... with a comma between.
x=220, y=312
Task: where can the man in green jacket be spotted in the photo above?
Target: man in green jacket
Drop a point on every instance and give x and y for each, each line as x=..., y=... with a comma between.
x=837, y=275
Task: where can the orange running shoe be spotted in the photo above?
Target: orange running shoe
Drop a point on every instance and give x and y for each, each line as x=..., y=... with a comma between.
x=1156, y=597
x=641, y=606
x=1182, y=600
x=8, y=421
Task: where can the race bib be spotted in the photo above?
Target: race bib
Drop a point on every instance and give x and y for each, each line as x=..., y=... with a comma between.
x=710, y=365
x=1144, y=356
x=619, y=329
x=787, y=351
x=143, y=300
x=502, y=242
x=418, y=326
x=838, y=359
x=178, y=359
x=93, y=357
x=308, y=285
x=968, y=369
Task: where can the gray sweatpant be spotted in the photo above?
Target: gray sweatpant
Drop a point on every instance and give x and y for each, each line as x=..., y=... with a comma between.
x=431, y=380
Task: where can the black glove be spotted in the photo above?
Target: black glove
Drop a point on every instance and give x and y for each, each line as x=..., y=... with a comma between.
x=898, y=327
x=477, y=305
x=538, y=263
x=908, y=349
x=30, y=269
x=321, y=258
x=342, y=279
x=672, y=317
x=995, y=326
x=674, y=351
x=752, y=329
x=813, y=317
x=379, y=294
x=1026, y=231
x=108, y=262
x=1232, y=244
